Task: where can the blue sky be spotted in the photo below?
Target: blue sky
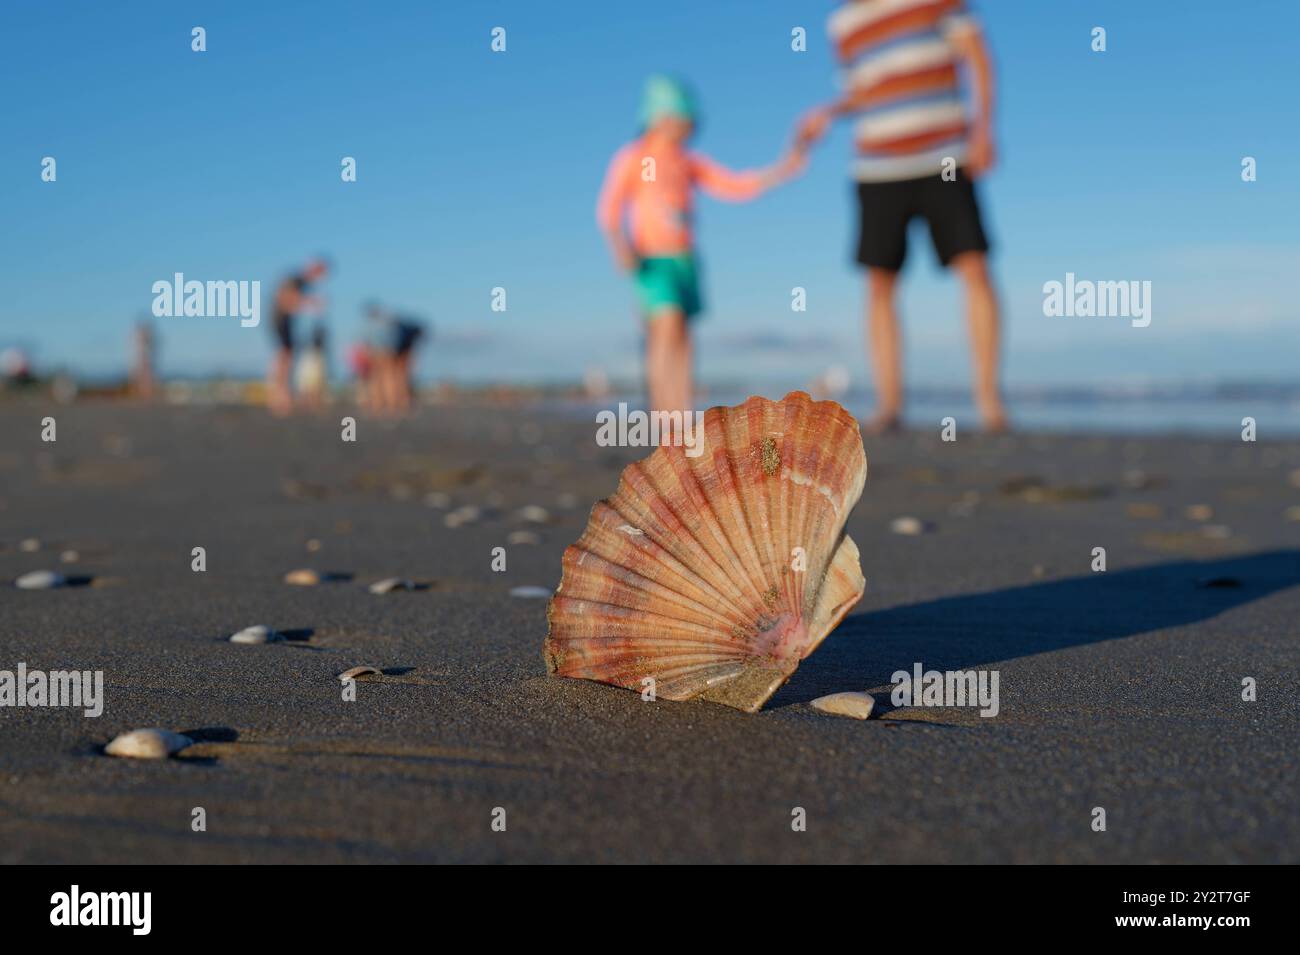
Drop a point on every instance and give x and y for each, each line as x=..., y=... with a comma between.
x=478, y=170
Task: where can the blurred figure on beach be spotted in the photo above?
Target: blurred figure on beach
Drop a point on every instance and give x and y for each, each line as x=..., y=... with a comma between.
x=832, y=383
x=311, y=377
x=16, y=367
x=392, y=339
x=291, y=300
x=646, y=209
x=918, y=154
x=144, y=341
x=362, y=364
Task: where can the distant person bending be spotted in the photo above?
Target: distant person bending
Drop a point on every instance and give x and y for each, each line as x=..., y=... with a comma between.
x=393, y=339
x=651, y=183
x=291, y=300
x=362, y=363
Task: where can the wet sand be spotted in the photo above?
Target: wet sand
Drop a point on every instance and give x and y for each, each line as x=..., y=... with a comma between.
x=1119, y=689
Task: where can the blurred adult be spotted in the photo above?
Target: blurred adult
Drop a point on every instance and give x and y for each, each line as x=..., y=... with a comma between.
x=292, y=299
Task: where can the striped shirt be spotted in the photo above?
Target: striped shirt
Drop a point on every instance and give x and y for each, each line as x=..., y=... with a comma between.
x=900, y=78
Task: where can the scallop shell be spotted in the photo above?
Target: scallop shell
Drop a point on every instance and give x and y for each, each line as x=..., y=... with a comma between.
x=690, y=573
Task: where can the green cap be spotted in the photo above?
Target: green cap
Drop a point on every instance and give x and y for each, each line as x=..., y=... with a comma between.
x=665, y=96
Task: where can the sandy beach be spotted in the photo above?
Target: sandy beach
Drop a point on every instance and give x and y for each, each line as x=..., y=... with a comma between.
x=1120, y=689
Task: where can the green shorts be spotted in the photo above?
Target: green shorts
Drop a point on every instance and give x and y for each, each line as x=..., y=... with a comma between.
x=669, y=282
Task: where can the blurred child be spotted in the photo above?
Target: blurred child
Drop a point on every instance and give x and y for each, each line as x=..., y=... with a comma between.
x=645, y=210
x=312, y=373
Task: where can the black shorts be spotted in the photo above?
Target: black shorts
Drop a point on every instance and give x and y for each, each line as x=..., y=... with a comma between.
x=885, y=209
x=408, y=334
x=282, y=328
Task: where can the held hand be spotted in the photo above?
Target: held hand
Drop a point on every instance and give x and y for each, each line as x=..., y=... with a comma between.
x=981, y=154
x=784, y=169
x=812, y=127
x=793, y=163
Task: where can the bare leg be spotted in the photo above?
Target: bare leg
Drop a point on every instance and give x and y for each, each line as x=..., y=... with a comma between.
x=668, y=361
x=279, y=395
x=379, y=385
x=885, y=349
x=982, y=318
x=403, y=372
x=389, y=386
x=685, y=399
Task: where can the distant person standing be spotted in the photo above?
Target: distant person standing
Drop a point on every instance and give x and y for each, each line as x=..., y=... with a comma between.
x=16, y=367
x=646, y=211
x=144, y=342
x=918, y=154
x=291, y=299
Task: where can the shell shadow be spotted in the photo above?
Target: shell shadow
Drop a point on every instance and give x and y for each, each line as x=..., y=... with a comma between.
x=953, y=633
x=206, y=734
x=212, y=734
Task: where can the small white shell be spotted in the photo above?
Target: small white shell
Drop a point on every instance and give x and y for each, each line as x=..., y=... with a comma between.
x=302, y=577
x=389, y=584
x=856, y=705
x=30, y=545
x=534, y=514
x=256, y=634
x=40, y=580
x=530, y=592
x=148, y=744
x=908, y=526
x=523, y=537
x=358, y=671
x=467, y=514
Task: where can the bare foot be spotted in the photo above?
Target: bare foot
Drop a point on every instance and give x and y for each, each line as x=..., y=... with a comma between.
x=884, y=422
x=995, y=421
